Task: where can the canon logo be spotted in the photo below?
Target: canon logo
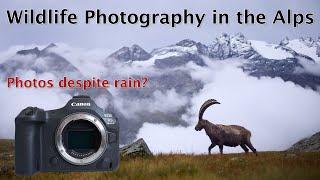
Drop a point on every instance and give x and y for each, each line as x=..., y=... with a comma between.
x=79, y=104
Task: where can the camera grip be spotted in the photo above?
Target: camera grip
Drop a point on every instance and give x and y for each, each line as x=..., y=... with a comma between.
x=27, y=141
x=26, y=160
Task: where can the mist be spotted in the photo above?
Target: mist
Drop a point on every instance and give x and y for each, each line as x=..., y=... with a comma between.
x=15, y=100
x=277, y=113
x=309, y=67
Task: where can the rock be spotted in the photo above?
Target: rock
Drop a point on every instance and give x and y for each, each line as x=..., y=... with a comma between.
x=241, y=47
x=221, y=48
x=311, y=144
x=201, y=48
x=133, y=53
x=137, y=148
x=227, y=46
x=285, y=69
x=284, y=41
x=178, y=61
x=308, y=41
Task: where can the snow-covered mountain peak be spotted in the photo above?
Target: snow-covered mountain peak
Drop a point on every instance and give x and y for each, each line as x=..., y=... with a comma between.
x=305, y=47
x=136, y=48
x=133, y=53
x=308, y=41
x=36, y=61
x=201, y=49
x=240, y=46
x=270, y=51
x=177, y=54
x=284, y=41
x=180, y=48
x=239, y=37
x=186, y=43
x=230, y=46
x=223, y=39
x=226, y=46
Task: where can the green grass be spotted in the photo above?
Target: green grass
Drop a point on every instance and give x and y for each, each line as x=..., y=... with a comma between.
x=268, y=165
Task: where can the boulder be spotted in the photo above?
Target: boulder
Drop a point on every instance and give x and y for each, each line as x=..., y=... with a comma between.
x=137, y=148
x=311, y=144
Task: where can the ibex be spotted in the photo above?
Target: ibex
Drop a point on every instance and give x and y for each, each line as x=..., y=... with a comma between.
x=223, y=135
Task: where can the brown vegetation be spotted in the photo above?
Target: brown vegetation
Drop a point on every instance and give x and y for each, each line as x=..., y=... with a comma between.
x=268, y=165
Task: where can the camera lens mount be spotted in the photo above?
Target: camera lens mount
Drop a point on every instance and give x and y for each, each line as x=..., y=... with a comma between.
x=62, y=149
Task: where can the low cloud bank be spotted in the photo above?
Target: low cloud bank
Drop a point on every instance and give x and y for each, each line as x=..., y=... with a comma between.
x=14, y=100
x=277, y=113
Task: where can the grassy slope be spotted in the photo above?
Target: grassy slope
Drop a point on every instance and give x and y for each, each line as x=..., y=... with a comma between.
x=268, y=165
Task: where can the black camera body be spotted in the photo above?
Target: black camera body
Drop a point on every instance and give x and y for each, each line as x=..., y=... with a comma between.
x=78, y=137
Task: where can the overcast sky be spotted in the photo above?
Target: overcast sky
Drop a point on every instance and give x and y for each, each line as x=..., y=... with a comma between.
x=116, y=36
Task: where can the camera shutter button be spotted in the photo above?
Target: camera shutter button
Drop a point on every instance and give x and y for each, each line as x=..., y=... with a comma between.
x=29, y=111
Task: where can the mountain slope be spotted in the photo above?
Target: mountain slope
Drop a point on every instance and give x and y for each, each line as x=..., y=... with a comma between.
x=170, y=71
x=47, y=64
x=36, y=61
x=291, y=60
x=127, y=54
x=309, y=144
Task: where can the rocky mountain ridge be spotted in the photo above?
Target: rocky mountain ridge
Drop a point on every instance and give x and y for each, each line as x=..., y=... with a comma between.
x=227, y=46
